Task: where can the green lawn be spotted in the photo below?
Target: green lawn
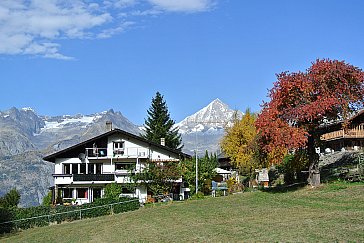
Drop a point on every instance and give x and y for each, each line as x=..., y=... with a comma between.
x=333, y=212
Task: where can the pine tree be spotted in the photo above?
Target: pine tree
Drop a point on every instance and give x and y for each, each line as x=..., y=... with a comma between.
x=159, y=124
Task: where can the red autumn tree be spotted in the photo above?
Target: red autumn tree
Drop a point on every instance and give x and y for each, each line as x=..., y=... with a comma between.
x=329, y=90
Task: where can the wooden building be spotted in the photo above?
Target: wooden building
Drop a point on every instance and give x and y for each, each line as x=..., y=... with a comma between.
x=337, y=137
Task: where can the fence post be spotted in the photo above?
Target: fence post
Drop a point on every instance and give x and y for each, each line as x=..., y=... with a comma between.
x=80, y=213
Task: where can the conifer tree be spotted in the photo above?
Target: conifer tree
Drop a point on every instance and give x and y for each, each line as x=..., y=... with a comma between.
x=159, y=124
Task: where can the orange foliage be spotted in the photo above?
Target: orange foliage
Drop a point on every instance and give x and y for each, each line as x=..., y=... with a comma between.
x=300, y=102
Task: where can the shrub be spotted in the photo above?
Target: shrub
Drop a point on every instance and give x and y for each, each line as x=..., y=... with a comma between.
x=11, y=199
x=291, y=167
x=198, y=195
x=44, y=215
x=47, y=199
x=207, y=187
x=59, y=213
x=113, y=190
x=5, y=216
x=22, y=213
x=234, y=186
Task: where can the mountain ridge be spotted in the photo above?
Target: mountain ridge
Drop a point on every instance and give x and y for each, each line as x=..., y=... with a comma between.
x=26, y=137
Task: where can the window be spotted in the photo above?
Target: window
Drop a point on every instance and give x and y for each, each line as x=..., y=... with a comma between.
x=67, y=192
x=91, y=168
x=119, y=147
x=97, y=193
x=98, y=168
x=82, y=168
x=74, y=168
x=66, y=169
x=81, y=192
x=127, y=190
x=124, y=166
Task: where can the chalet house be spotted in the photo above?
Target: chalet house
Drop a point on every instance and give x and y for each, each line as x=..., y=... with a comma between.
x=337, y=137
x=82, y=171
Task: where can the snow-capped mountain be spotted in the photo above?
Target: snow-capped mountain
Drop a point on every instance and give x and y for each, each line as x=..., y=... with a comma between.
x=67, y=130
x=204, y=129
x=26, y=137
x=212, y=118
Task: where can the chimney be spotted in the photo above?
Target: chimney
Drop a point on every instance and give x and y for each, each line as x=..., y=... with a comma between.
x=163, y=141
x=108, y=126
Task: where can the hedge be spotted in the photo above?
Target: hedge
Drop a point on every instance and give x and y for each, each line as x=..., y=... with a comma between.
x=24, y=218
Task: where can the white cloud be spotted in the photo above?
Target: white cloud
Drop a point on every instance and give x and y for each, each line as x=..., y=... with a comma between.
x=124, y=3
x=183, y=5
x=107, y=33
x=32, y=27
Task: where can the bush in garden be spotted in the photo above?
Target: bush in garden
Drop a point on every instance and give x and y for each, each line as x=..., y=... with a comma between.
x=5, y=216
x=234, y=186
x=197, y=196
x=44, y=215
x=47, y=199
x=59, y=213
x=23, y=213
x=113, y=190
x=10, y=200
x=130, y=206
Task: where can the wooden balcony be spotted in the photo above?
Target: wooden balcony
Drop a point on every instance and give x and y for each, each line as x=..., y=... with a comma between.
x=356, y=132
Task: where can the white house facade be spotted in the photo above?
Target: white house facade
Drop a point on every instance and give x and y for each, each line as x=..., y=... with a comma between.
x=82, y=171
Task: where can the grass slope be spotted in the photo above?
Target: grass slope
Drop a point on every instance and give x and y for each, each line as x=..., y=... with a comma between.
x=333, y=212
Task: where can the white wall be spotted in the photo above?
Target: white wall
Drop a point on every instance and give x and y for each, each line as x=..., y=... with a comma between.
x=135, y=151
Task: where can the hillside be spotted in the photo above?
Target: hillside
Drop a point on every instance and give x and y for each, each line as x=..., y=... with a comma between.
x=333, y=212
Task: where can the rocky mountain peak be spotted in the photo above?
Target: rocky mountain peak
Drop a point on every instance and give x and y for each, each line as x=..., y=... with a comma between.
x=215, y=116
x=203, y=130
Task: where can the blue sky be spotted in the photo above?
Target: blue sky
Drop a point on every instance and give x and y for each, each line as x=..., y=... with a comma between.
x=84, y=56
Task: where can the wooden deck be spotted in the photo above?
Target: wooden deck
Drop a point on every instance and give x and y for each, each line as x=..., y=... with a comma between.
x=354, y=132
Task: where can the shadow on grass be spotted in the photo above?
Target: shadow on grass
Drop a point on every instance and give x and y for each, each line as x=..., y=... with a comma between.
x=285, y=188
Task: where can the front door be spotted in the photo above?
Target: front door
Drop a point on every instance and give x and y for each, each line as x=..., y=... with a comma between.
x=96, y=193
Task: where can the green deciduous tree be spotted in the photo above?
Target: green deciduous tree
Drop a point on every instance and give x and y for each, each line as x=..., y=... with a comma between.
x=206, y=172
x=239, y=142
x=47, y=199
x=158, y=177
x=10, y=199
x=159, y=124
x=113, y=190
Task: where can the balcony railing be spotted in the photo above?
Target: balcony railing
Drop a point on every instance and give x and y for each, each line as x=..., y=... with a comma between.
x=133, y=152
x=357, y=132
x=93, y=177
x=96, y=152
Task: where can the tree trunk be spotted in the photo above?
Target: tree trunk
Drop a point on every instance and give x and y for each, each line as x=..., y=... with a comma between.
x=314, y=174
x=314, y=171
